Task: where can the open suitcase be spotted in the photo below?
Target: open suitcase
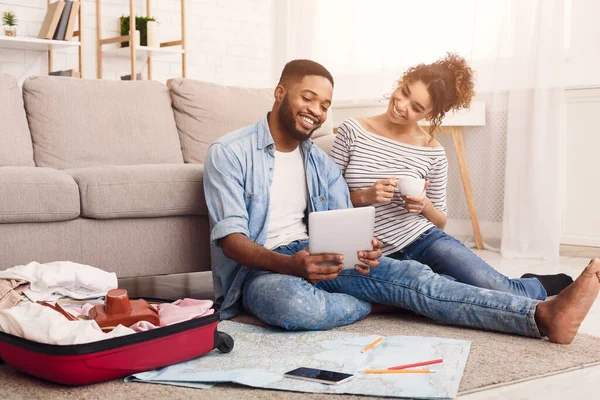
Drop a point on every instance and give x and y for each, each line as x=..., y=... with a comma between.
x=87, y=363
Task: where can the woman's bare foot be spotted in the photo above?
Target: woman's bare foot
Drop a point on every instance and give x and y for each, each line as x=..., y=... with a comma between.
x=560, y=318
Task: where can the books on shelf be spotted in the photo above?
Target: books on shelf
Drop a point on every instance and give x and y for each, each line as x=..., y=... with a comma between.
x=69, y=72
x=72, y=19
x=61, y=28
x=60, y=19
x=53, y=14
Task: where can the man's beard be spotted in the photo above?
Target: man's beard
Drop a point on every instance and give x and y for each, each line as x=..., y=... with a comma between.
x=288, y=122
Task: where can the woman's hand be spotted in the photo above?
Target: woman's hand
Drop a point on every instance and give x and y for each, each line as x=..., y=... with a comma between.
x=416, y=204
x=382, y=191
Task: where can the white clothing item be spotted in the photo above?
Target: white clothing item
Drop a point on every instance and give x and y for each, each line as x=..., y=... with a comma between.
x=54, y=280
x=288, y=200
x=43, y=325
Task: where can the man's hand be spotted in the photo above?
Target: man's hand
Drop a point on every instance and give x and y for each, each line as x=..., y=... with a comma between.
x=382, y=191
x=416, y=204
x=309, y=266
x=369, y=257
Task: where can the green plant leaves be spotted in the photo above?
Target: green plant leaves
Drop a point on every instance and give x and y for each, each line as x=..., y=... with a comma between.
x=9, y=18
x=140, y=25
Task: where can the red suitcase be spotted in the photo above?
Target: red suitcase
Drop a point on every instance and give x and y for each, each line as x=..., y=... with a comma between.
x=82, y=364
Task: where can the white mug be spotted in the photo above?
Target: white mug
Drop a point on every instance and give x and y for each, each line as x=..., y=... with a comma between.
x=411, y=186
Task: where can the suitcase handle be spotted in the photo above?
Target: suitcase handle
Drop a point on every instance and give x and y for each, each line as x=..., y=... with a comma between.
x=223, y=342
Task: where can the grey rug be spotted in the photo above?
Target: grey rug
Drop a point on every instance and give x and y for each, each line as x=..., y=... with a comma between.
x=495, y=359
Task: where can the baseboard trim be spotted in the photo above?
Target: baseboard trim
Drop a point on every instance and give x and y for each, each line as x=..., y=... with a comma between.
x=569, y=250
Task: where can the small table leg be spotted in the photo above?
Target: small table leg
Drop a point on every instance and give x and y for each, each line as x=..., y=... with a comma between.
x=459, y=147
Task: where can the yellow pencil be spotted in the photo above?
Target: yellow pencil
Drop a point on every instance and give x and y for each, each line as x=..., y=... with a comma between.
x=375, y=343
x=396, y=371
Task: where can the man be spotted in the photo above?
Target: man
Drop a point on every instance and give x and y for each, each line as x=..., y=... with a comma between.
x=262, y=180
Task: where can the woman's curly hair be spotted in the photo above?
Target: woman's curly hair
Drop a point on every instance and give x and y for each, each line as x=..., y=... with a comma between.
x=449, y=82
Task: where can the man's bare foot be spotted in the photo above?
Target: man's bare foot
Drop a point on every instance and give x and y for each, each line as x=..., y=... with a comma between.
x=560, y=318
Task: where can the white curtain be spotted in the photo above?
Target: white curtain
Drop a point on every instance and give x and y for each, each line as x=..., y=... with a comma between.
x=533, y=177
x=517, y=49
x=367, y=45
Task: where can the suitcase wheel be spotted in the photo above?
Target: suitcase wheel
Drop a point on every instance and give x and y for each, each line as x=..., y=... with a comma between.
x=224, y=342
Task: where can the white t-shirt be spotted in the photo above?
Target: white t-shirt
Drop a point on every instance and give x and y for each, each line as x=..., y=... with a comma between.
x=288, y=200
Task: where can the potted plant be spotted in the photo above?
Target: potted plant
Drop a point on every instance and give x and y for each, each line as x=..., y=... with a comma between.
x=140, y=25
x=9, y=20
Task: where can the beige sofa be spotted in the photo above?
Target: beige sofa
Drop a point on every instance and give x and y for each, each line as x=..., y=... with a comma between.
x=109, y=173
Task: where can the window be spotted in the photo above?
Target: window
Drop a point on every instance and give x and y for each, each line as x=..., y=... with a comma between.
x=367, y=45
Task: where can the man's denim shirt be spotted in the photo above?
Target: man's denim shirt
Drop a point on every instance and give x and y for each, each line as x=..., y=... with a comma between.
x=238, y=173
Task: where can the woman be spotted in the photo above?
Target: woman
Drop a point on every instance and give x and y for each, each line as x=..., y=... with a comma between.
x=374, y=151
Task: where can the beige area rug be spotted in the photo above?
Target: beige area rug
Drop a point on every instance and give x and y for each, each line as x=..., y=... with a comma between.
x=495, y=359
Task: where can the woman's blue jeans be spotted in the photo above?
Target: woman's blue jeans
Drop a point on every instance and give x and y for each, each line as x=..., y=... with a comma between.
x=449, y=257
x=295, y=304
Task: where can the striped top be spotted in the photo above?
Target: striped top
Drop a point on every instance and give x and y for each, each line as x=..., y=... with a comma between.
x=366, y=157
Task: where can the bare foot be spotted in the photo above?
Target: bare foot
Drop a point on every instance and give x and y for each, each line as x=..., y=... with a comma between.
x=560, y=318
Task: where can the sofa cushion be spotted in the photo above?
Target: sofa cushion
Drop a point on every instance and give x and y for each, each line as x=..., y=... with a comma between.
x=206, y=111
x=136, y=191
x=81, y=123
x=15, y=140
x=325, y=142
x=34, y=194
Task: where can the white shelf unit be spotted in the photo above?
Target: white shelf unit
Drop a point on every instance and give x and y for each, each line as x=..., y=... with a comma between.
x=31, y=43
x=135, y=51
x=142, y=51
x=35, y=44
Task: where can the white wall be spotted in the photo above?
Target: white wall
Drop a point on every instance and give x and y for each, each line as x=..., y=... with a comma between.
x=583, y=61
x=228, y=41
x=581, y=219
x=580, y=216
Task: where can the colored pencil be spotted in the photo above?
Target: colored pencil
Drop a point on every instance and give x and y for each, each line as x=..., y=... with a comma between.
x=439, y=360
x=375, y=343
x=396, y=371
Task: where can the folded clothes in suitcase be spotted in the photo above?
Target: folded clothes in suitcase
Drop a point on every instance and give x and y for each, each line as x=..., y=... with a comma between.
x=93, y=362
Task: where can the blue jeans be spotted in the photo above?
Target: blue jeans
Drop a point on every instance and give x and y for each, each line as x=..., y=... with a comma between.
x=449, y=257
x=295, y=304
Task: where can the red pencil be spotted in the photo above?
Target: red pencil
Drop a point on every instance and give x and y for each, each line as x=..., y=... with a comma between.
x=439, y=360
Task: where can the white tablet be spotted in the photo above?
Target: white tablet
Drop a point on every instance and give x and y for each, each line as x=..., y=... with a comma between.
x=342, y=231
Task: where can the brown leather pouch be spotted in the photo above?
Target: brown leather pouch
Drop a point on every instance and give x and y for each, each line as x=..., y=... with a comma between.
x=57, y=307
x=118, y=309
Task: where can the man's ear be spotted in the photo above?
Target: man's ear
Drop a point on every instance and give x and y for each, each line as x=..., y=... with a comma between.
x=279, y=93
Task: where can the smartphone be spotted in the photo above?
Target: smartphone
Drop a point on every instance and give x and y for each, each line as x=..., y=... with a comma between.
x=319, y=375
